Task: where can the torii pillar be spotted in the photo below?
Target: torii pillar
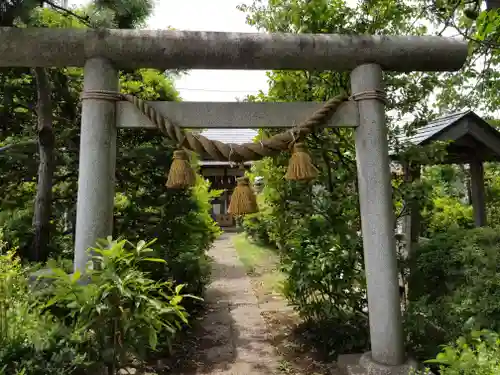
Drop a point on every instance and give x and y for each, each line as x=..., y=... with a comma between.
x=387, y=354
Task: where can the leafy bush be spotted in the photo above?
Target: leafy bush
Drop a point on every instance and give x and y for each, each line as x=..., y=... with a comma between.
x=181, y=222
x=113, y=314
x=314, y=227
x=474, y=354
x=455, y=281
x=321, y=258
x=117, y=308
x=257, y=227
x=325, y=283
x=446, y=213
x=492, y=192
x=32, y=341
x=16, y=225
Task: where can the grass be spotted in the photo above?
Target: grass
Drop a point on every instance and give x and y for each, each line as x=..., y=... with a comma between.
x=261, y=263
x=252, y=255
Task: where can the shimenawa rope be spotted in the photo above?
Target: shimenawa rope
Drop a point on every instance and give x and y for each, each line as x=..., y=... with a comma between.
x=243, y=201
x=218, y=150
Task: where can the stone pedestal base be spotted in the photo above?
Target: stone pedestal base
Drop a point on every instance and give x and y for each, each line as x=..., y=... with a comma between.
x=363, y=364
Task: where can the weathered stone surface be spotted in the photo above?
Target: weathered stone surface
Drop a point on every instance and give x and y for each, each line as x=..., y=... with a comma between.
x=173, y=49
x=363, y=364
x=39, y=280
x=203, y=115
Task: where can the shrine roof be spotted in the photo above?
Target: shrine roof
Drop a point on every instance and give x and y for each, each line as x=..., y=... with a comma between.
x=470, y=136
x=238, y=136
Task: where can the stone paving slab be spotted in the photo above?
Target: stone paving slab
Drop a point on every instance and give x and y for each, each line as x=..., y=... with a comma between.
x=236, y=334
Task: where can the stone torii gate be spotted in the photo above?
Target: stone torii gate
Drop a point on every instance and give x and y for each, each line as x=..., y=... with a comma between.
x=103, y=52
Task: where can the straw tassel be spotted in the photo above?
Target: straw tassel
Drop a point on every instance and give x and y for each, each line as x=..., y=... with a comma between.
x=300, y=166
x=243, y=200
x=181, y=175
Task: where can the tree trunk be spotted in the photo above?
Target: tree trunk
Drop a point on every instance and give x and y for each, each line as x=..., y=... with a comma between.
x=43, y=199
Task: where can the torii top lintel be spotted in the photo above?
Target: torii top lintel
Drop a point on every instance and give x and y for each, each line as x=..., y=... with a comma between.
x=170, y=49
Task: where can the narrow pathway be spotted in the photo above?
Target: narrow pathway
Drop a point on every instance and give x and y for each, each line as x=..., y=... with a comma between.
x=235, y=338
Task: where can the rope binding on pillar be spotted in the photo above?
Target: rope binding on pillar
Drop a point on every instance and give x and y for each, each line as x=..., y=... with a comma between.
x=181, y=175
x=370, y=94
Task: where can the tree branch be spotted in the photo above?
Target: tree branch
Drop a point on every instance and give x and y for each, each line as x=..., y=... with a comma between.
x=20, y=144
x=68, y=12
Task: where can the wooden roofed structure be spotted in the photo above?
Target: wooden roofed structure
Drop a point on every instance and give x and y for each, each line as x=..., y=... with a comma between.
x=473, y=141
x=471, y=137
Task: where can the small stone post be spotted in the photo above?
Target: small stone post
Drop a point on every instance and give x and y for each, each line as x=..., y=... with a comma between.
x=96, y=178
x=377, y=218
x=412, y=218
x=477, y=192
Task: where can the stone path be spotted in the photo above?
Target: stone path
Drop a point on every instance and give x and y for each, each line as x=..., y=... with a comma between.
x=235, y=340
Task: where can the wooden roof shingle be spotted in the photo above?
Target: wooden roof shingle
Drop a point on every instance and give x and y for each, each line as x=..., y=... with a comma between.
x=470, y=136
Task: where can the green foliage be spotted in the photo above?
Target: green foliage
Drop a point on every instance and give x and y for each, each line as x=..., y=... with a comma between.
x=143, y=206
x=257, y=226
x=150, y=84
x=446, y=213
x=130, y=305
x=122, y=14
x=454, y=282
x=292, y=215
x=33, y=342
x=320, y=256
x=112, y=314
x=475, y=354
x=316, y=226
x=180, y=221
x=442, y=196
x=116, y=306
x=325, y=283
x=492, y=191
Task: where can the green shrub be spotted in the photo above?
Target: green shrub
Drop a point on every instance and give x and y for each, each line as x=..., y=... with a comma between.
x=181, y=223
x=179, y=220
x=455, y=281
x=446, y=213
x=81, y=324
x=16, y=225
x=32, y=341
x=116, y=307
x=474, y=354
x=314, y=227
x=257, y=227
x=325, y=283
